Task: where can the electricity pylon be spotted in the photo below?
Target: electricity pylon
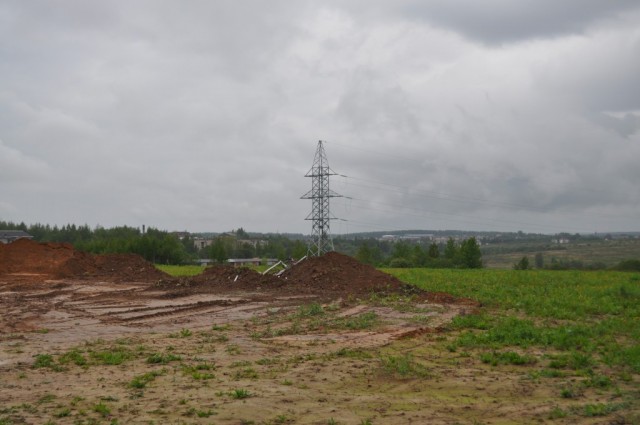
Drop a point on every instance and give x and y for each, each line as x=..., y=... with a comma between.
x=320, y=194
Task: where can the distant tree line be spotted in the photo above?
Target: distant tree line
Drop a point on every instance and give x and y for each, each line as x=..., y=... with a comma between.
x=465, y=254
x=154, y=245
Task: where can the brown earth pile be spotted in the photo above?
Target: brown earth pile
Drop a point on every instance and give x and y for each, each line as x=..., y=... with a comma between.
x=60, y=260
x=27, y=256
x=334, y=272
x=112, y=267
x=331, y=275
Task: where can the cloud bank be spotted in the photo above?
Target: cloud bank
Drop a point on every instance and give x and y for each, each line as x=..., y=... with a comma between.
x=204, y=116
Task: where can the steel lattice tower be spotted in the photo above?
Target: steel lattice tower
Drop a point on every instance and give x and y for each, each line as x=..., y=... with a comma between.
x=320, y=194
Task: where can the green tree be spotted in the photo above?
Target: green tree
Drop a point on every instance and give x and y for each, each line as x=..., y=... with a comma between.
x=539, y=260
x=364, y=254
x=298, y=250
x=420, y=257
x=470, y=254
x=451, y=250
x=434, y=251
x=523, y=264
x=218, y=251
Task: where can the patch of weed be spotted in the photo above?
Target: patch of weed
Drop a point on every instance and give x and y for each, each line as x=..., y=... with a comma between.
x=246, y=373
x=63, y=413
x=240, y=393
x=404, y=367
x=362, y=321
x=102, y=409
x=113, y=356
x=141, y=381
x=74, y=356
x=158, y=358
x=313, y=309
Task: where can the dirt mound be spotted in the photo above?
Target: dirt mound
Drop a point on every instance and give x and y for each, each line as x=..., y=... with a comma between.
x=27, y=256
x=332, y=275
x=113, y=267
x=60, y=261
x=339, y=273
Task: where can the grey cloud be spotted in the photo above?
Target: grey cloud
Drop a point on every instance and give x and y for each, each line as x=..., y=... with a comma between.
x=205, y=115
x=505, y=21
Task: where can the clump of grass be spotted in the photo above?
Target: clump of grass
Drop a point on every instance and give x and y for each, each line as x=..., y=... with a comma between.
x=353, y=353
x=158, y=358
x=185, y=333
x=200, y=371
x=362, y=321
x=220, y=327
x=47, y=398
x=313, y=309
x=404, y=367
x=192, y=411
x=102, y=409
x=599, y=381
x=141, y=381
x=240, y=393
x=63, y=413
x=246, y=373
x=600, y=409
x=265, y=361
x=557, y=413
x=43, y=360
x=233, y=349
x=574, y=361
x=74, y=356
x=113, y=356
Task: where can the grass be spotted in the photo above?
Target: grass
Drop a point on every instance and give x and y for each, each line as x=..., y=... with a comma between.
x=240, y=393
x=177, y=271
x=102, y=409
x=141, y=381
x=404, y=367
x=583, y=326
x=590, y=316
x=158, y=358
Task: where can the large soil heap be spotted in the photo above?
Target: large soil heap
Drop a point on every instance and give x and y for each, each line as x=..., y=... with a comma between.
x=332, y=275
x=59, y=260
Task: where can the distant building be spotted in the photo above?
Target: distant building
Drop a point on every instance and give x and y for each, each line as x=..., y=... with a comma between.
x=8, y=236
x=239, y=262
x=201, y=243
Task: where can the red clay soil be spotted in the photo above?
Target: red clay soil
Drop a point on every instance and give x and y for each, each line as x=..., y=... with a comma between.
x=60, y=261
x=27, y=256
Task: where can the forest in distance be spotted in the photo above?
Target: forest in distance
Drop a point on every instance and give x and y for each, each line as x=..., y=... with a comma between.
x=400, y=249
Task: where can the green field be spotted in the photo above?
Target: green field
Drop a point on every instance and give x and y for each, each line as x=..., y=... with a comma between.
x=578, y=329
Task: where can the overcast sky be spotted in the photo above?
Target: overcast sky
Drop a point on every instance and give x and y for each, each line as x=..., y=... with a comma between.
x=205, y=115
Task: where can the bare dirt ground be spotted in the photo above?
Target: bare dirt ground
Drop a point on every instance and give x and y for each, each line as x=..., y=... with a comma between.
x=109, y=339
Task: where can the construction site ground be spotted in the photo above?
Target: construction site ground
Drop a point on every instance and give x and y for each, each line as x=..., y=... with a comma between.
x=97, y=339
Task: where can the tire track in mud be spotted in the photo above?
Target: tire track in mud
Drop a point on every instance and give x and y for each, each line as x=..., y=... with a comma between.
x=155, y=313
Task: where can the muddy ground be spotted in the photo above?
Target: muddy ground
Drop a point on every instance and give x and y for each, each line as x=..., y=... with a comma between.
x=89, y=339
